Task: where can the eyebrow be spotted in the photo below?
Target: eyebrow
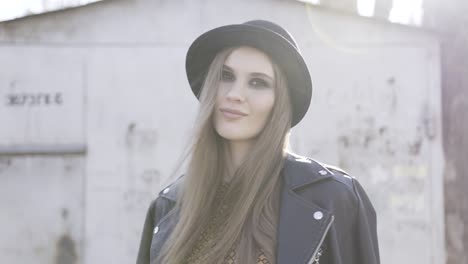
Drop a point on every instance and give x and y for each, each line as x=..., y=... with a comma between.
x=252, y=73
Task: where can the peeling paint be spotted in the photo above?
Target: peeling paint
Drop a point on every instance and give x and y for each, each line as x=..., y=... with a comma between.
x=140, y=138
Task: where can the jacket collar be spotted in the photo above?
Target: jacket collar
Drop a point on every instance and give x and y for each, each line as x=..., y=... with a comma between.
x=298, y=171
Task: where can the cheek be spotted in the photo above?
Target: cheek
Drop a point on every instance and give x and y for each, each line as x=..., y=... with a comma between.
x=219, y=95
x=218, y=102
x=264, y=105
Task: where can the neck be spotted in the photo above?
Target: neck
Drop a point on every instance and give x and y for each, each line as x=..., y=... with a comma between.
x=237, y=150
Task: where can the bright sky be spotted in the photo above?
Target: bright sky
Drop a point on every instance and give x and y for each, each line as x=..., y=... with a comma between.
x=408, y=12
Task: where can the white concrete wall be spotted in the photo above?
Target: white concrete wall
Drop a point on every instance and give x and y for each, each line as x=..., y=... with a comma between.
x=375, y=112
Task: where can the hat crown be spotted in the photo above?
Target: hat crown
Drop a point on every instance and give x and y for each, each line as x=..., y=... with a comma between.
x=264, y=35
x=272, y=27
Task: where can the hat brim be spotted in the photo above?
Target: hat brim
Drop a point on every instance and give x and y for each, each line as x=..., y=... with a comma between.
x=281, y=51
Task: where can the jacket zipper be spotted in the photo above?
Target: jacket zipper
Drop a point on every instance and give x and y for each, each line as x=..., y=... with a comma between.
x=312, y=259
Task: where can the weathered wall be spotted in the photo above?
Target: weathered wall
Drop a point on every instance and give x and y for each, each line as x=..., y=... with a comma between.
x=42, y=209
x=449, y=19
x=375, y=112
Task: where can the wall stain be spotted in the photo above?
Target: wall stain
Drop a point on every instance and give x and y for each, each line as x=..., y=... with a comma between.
x=382, y=130
x=66, y=250
x=344, y=141
x=150, y=175
x=367, y=140
x=415, y=147
x=64, y=213
x=4, y=163
x=388, y=147
x=140, y=139
x=391, y=81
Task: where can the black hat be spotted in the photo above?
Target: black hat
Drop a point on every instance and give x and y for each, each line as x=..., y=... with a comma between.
x=265, y=36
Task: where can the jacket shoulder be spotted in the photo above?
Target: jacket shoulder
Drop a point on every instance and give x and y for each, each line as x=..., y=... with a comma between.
x=171, y=190
x=307, y=170
x=336, y=169
x=340, y=175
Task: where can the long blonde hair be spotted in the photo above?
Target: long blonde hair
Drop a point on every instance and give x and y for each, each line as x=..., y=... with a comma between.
x=254, y=188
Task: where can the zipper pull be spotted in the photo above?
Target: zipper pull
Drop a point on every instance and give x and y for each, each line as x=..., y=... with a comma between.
x=317, y=257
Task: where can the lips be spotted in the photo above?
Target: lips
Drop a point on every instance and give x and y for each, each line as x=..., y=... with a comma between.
x=232, y=113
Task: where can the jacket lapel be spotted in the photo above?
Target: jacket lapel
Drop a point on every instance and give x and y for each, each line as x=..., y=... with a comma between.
x=302, y=224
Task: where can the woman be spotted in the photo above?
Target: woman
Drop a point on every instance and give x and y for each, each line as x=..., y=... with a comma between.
x=244, y=197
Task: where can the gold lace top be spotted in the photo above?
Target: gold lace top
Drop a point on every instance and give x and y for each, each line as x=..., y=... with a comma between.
x=213, y=228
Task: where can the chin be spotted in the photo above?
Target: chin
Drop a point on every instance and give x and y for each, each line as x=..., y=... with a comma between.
x=234, y=135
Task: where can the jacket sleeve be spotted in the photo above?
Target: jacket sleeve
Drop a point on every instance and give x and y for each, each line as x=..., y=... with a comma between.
x=366, y=228
x=147, y=235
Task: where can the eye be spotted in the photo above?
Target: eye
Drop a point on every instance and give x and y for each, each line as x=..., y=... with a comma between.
x=227, y=76
x=259, y=83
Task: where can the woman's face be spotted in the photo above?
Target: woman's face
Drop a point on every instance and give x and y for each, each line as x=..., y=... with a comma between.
x=245, y=96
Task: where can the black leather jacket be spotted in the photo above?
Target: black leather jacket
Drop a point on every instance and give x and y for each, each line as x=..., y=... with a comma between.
x=325, y=217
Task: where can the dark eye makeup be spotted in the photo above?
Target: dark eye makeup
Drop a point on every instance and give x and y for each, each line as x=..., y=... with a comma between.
x=255, y=82
x=227, y=76
x=259, y=83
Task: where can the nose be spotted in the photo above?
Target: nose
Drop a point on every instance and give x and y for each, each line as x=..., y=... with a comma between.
x=236, y=92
